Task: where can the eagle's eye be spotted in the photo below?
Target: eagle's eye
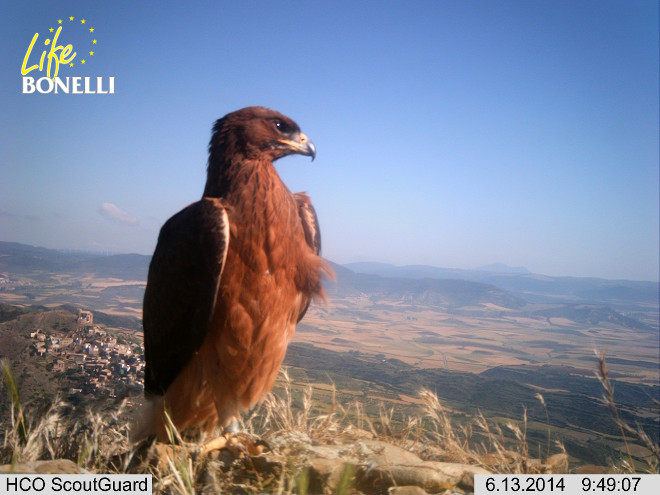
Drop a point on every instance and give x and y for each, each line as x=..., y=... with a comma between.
x=282, y=127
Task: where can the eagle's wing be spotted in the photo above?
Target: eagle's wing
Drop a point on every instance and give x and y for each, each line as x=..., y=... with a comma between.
x=182, y=287
x=310, y=223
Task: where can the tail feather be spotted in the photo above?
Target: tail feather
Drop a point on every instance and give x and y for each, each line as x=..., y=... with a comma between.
x=146, y=421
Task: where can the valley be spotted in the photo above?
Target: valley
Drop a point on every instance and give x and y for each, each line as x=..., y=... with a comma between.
x=476, y=339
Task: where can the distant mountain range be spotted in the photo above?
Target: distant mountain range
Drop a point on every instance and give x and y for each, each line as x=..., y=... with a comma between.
x=422, y=271
x=22, y=259
x=499, y=285
x=503, y=268
x=531, y=287
x=434, y=291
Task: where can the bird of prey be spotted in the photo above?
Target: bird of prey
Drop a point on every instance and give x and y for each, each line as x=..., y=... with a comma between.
x=231, y=276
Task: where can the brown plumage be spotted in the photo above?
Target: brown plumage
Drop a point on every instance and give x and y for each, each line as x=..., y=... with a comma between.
x=230, y=278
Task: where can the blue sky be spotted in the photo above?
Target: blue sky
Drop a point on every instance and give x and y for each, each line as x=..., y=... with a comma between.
x=449, y=133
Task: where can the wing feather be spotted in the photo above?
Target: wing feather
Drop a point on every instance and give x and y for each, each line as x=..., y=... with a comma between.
x=182, y=287
x=310, y=223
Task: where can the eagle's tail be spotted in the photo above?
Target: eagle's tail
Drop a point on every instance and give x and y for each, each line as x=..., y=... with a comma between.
x=145, y=422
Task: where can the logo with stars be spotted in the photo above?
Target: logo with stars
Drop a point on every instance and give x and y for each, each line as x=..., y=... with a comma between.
x=59, y=59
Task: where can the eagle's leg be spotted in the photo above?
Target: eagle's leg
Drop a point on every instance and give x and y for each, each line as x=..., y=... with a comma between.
x=225, y=440
x=232, y=428
x=215, y=444
x=237, y=441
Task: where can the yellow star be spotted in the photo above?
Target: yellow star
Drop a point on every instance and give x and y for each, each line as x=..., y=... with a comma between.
x=71, y=18
x=51, y=30
x=91, y=53
x=60, y=21
x=91, y=30
x=82, y=61
x=82, y=21
x=71, y=64
x=94, y=42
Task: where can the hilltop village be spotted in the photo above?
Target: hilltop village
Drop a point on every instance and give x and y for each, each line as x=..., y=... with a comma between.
x=96, y=362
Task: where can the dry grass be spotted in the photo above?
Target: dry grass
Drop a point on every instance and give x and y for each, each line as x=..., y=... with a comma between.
x=99, y=441
x=44, y=430
x=628, y=465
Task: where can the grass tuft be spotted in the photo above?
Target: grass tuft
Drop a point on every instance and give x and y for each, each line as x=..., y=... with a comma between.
x=288, y=423
x=608, y=398
x=17, y=416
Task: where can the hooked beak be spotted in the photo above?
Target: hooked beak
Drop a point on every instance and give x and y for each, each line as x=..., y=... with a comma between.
x=301, y=145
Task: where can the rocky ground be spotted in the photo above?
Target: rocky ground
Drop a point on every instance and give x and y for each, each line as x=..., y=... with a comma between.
x=353, y=463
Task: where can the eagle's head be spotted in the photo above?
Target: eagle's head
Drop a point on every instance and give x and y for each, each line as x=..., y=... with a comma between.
x=257, y=133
